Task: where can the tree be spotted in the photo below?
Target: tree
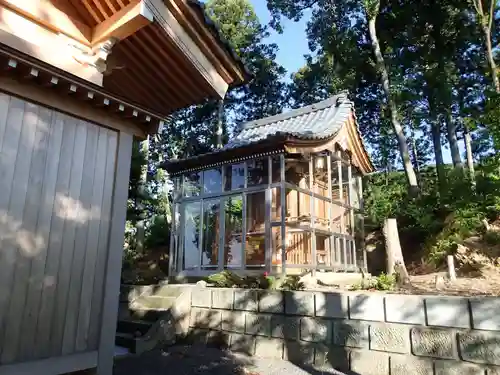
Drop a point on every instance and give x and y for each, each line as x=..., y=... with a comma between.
x=372, y=11
x=485, y=13
x=347, y=9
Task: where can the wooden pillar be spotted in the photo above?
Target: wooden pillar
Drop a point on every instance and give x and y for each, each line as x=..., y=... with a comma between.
x=312, y=213
x=114, y=261
x=351, y=215
x=341, y=199
x=283, y=215
x=267, y=217
x=329, y=213
x=362, y=229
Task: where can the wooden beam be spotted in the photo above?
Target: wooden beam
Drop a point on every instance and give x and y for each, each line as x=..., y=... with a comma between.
x=115, y=253
x=174, y=30
x=48, y=15
x=123, y=23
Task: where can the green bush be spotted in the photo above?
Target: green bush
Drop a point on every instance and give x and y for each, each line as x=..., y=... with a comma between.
x=382, y=282
x=492, y=238
x=292, y=282
x=228, y=279
x=432, y=224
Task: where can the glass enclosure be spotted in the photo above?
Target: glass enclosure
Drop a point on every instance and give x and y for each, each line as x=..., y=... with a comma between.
x=280, y=214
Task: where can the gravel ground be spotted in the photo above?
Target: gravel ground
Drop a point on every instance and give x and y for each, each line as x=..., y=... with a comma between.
x=190, y=360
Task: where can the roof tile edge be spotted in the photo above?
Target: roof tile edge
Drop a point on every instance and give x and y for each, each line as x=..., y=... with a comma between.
x=333, y=100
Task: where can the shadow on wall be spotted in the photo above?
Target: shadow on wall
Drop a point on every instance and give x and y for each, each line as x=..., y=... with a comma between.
x=56, y=185
x=359, y=335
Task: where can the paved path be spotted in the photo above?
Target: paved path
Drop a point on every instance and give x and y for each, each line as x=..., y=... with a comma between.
x=191, y=360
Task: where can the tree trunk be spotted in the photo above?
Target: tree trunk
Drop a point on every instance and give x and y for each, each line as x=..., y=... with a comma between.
x=398, y=129
x=453, y=141
x=489, y=57
x=438, y=152
x=395, y=260
x=468, y=151
x=415, y=154
x=140, y=226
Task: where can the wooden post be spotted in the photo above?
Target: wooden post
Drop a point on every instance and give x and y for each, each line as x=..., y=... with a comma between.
x=393, y=250
x=451, y=268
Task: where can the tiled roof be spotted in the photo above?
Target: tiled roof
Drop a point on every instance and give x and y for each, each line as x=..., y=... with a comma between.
x=317, y=121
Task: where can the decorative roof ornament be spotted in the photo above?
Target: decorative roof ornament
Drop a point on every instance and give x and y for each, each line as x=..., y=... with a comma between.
x=99, y=57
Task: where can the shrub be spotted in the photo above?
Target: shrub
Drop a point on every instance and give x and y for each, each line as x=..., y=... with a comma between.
x=228, y=279
x=382, y=282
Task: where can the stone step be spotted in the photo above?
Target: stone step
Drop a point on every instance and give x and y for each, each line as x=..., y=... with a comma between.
x=167, y=291
x=135, y=327
x=153, y=302
x=126, y=340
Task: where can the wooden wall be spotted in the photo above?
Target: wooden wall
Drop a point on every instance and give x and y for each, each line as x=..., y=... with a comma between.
x=56, y=187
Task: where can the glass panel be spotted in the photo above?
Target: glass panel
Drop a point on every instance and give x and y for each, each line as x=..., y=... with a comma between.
x=357, y=181
x=337, y=212
x=348, y=224
x=276, y=168
x=258, y=172
x=233, y=246
x=255, y=247
x=177, y=193
x=276, y=247
x=323, y=253
x=335, y=181
x=320, y=175
x=297, y=172
x=192, y=184
x=276, y=204
x=298, y=246
x=336, y=250
x=321, y=213
x=359, y=238
x=211, y=230
x=345, y=184
x=212, y=181
x=192, y=214
x=298, y=207
x=235, y=177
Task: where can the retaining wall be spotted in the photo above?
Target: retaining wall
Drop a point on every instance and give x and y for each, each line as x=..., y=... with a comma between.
x=369, y=334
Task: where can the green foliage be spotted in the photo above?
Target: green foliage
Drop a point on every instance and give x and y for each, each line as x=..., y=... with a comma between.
x=492, y=238
x=382, y=282
x=228, y=279
x=432, y=224
x=225, y=279
x=291, y=282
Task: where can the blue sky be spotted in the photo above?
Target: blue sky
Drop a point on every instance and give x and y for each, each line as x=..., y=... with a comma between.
x=293, y=46
x=292, y=43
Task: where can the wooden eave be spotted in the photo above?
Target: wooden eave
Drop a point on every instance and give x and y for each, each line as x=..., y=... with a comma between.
x=167, y=56
x=231, y=156
x=158, y=67
x=25, y=68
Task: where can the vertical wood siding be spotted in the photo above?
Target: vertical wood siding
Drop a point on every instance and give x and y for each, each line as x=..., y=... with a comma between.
x=56, y=184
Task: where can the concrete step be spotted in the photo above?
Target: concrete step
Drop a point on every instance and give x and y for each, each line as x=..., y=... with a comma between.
x=126, y=340
x=135, y=327
x=153, y=302
x=167, y=291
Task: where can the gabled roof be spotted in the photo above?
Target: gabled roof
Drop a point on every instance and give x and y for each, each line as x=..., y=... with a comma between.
x=312, y=126
x=315, y=122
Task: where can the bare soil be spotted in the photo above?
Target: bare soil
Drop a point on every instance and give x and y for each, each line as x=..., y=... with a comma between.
x=488, y=284
x=437, y=283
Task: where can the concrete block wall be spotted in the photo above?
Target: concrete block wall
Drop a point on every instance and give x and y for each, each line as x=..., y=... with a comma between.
x=379, y=334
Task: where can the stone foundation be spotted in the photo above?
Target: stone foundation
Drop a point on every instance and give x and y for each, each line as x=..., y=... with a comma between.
x=368, y=334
